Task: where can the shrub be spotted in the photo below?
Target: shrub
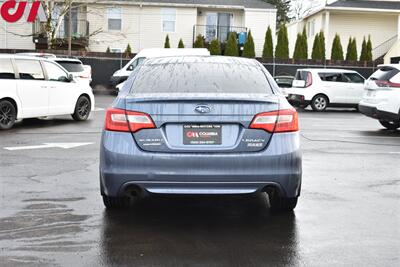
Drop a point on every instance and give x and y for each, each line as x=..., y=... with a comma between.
x=108, y=51
x=363, y=56
x=180, y=44
x=322, y=45
x=301, y=47
x=249, y=50
x=337, y=50
x=282, y=46
x=369, y=49
x=268, y=50
x=215, y=47
x=128, y=50
x=316, y=50
x=352, y=50
x=231, y=47
x=199, y=42
x=166, y=44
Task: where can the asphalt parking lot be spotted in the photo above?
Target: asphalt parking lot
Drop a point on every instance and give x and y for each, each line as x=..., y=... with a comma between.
x=51, y=213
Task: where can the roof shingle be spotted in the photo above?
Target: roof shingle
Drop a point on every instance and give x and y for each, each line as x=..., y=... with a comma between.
x=393, y=5
x=245, y=3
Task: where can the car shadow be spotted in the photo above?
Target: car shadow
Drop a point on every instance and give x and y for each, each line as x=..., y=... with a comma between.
x=329, y=110
x=35, y=123
x=200, y=231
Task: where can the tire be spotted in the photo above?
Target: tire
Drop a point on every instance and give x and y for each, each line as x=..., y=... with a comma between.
x=8, y=115
x=390, y=125
x=115, y=202
x=281, y=204
x=319, y=103
x=82, y=109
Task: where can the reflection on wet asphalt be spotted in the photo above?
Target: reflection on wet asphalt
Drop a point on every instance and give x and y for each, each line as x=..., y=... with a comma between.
x=51, y=212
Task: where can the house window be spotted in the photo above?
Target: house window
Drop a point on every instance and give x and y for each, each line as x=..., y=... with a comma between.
x=114, y=19
x=168, y=19
x=311, y=28
x=218, y=26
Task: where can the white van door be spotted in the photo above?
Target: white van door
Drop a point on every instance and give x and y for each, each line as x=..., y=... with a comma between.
x=356, y=87
x=335, y=86
x=32, y=88
x=62, y=92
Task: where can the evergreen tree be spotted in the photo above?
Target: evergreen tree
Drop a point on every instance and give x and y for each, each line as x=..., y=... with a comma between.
x=369, y=49
x=316, y=50
x=337, y=50
x=128, y=50
x=322, y=45
x=180, y=44
x=108, y=51
x=268, y=51
x=199, y=42
x=363, y=56
x=305, y=44
x=215, y=47
x=248, y=49
x=298, y=50
x=352, y=50
x=231, y=47
x=282, y=46
x=166, y=44
x=283, y=8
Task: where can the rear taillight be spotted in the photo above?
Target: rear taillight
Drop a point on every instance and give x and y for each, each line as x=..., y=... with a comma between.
x=383, y=83
x=309, y=79
x=276, y=121
x=120, y=120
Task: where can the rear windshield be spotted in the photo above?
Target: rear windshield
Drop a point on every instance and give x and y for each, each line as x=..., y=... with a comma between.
x=302, y=75
x=384, y=74
x=71, y=66
x=200, y=77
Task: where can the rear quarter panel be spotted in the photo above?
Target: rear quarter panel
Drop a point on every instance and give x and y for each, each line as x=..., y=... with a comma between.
x=9, y=90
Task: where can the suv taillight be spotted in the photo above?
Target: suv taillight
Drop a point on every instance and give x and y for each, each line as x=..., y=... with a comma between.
x=280, y=121
x=120, y=120
x=383, y=83
x=309, y=79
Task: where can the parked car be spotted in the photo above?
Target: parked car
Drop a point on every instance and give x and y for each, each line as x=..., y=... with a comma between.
x=381, y=100
x=37, y=87
x=284, y=81
x=186, y=126
x=322, y=88
x=71, y=64
x=121, y=75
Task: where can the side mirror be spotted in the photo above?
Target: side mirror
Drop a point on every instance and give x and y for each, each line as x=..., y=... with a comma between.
x=70, y=78
x=131, y=67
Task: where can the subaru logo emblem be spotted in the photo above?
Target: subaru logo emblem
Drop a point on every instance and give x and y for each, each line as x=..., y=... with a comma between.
x=203, y=109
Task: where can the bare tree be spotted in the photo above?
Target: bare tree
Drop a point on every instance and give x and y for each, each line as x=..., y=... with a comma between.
x=301, y=8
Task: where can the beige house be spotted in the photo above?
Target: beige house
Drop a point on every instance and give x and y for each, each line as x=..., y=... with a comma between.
x=145, y=24
x=355, y=18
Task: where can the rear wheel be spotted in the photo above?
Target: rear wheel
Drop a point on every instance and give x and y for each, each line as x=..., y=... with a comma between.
x=390, y=125
x=82, y=109
x=8, y=115
x=319, y=103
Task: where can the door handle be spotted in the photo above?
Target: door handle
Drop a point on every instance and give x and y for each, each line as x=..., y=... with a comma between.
x=44, y=87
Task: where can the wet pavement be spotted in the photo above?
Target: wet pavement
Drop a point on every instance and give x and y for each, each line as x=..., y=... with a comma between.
x=51, y=212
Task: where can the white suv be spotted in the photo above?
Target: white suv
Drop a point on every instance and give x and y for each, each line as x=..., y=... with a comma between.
x=381, y=100
x=322, y=88
x=34, y=87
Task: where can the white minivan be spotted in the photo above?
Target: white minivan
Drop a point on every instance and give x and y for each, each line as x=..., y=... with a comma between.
x=34, y=87
x=121, y=75
x=322, y=88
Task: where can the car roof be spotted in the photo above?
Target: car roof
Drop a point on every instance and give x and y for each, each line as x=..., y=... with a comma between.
x=159, y=52
x=66, y=59
x=327, y=70
x=35, y=56
x=201, y=59
x=397, y=66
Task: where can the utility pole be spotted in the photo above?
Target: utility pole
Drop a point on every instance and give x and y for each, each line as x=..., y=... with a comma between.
x=70, y=30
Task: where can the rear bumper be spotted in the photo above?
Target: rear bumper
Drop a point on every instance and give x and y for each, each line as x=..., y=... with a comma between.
x=123, y=164
x=297, y=100
x=373, y=112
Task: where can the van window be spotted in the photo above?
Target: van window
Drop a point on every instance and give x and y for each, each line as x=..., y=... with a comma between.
x=135, y=63
x=55, y=73
x=384, y=74
x=29, y=69
x=333, y=77
x=6, y=69
x=71, y=66
x=354, y=77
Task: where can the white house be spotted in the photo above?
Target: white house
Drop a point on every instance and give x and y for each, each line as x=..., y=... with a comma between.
x=357, y=19
x=145, y=23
